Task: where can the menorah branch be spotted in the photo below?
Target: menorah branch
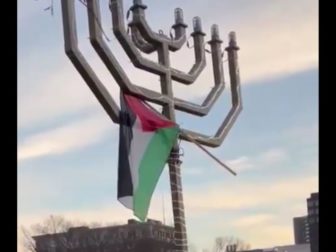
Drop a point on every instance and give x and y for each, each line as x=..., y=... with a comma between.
x=124, y=82
x=218, y=72
x=82, y=66
x=200, y=59
x=179, y=28
x=140, y=42
x=218, y=138
x=122, y=79
x=116, y=7
x=139, y=21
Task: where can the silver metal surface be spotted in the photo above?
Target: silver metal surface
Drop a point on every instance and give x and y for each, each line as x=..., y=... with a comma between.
x=142, y=39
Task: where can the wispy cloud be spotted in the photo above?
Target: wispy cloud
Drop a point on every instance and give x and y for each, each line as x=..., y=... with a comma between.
x=253, y=220
x=272, y=156
x=54, y=94
x=241, y=163
x=264, y=159
x=270, y=235
x=73, y=136
x=211, y=200
x=264, y=54
x=250, y=195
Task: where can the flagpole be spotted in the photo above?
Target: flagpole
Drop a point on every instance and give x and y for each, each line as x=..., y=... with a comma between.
x=211, y=155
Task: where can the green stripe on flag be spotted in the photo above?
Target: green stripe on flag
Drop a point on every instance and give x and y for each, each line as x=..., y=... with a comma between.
x=151, y=167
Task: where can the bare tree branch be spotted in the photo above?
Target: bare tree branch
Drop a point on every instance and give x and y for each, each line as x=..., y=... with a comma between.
x=222, y=244
x=63, y=237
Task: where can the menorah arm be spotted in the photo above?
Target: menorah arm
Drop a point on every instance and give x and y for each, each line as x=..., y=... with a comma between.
x=154, y=38
x=200, y=59
x=148, y=48
x=78, y=60
x=140, y=42
x=218, y=138
x=124, y=82
x=218, y=73
x=125, y=41
x=140, y=62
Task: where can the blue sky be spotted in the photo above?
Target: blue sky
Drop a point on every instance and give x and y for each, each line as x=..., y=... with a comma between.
x=67, y=146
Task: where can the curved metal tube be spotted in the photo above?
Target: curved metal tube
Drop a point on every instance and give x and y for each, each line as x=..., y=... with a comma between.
x=200, y=61
x=133, y=54
x=218, y=74
x=140, y=43
x=82, y=66
x=111, y=62
x=114, y=67
x=140, y=62
x=144, y=46
x=101, y=93
x=218, y=138
x=155, y=38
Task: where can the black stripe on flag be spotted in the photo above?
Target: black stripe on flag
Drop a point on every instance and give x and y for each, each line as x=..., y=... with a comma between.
x=127, y=120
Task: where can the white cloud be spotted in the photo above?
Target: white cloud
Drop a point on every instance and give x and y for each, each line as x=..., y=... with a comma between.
x=270, y=235
x=249, y=195
x=253, y=220
x=260, y=161
x=72, y=136
x=228, y=207
x=274, y=223
x=52, y=96
x=272, y=156
x=277, y=49
x=241, y=163
x=272, y=44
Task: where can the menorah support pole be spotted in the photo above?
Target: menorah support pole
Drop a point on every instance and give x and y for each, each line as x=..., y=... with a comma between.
x=180, y=233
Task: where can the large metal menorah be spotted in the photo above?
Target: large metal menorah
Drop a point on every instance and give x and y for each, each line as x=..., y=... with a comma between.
x=142, y=38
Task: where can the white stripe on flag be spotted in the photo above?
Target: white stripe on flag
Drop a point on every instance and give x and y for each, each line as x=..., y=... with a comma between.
x=127, y=201
x=139, y=144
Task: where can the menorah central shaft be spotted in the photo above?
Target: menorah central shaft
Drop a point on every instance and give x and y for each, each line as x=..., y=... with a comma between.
x=180, y=235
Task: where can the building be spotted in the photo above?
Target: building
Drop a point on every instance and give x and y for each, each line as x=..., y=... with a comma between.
x=150, y=236
x=313, y=220
x=301, y=230
x=287, y=248
x=290, y=248
x=252, y=250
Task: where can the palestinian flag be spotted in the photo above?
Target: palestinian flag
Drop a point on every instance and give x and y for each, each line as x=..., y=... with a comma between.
x=145, y=142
